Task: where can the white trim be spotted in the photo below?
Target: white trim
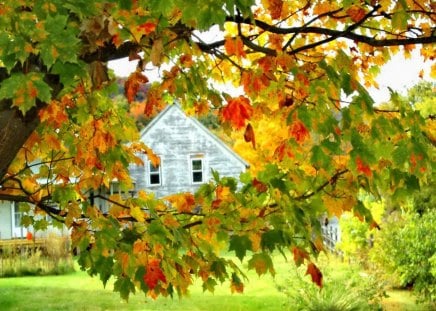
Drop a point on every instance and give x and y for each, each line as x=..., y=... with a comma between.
x=197, y=157
x=149, y=174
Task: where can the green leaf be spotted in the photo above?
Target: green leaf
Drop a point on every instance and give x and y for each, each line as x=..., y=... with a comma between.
x=209, y=285
x=261, y=263
x=105, y=265
x=273, y=239
x=319, y=158
x=44, y=90
x=69, y=73
x=218, y=268
x=401, y=153
x=240, y=244
x=40, y=224
x=124, y=286
x=346, y=83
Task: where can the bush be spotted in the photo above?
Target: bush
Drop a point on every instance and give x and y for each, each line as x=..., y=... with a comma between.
x=404, y=251
x=344, y=289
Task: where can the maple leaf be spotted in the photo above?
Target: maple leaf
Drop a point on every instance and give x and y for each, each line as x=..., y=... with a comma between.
x=299, y=255
x=314, y=273
x=147, y=28
x=299, y=131
x=249, y=135
x=283, y=150
x=362, y=167
x=261, y=263
x=356, y=13
x=237, y=111
x=259, y=186
x=236, y=285
x=131, y=86
x=275, y=8
x=183, y=202
x=234, y=46
x=154, y=274
x=240, y=244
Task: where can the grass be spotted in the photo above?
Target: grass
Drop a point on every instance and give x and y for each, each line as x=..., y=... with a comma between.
x=78, y=291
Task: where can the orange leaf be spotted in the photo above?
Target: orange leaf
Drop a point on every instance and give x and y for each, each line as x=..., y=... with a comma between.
x=154, y=274
x=299, y=255
x=356, y=13
x=147, y=28
x=299, y=131
x=315, y=273
x=283, y=150
x=260, y=186
x=237, y=111
x=363, y=167
x=131, y=86
x=275, y=8
x=234, y=46
x=183, y=202
x=249, y=135
x=29, y=236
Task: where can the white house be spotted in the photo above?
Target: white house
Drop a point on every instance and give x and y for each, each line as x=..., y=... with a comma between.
x=188, y=153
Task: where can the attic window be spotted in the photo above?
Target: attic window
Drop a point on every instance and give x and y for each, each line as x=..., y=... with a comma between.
x=154, y=174
x=197, y=166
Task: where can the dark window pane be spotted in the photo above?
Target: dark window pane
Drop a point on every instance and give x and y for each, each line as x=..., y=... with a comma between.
x=197, y=176
x=196, y=165
x=155, y=179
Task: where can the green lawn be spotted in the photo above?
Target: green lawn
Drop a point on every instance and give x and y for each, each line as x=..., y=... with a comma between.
x=78, y=291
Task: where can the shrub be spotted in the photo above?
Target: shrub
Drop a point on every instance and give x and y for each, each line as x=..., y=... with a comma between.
x=405, y=251
x=344, y=289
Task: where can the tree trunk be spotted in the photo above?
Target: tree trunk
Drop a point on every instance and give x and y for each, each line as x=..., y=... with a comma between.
x=15, y=129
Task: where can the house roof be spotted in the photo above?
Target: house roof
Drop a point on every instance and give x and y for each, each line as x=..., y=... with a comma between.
x=195, y=123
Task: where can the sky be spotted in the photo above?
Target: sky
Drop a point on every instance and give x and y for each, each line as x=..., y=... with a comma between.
x=399, y=74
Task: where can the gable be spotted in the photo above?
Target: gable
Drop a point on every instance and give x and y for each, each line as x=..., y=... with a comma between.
x=173, y=129
x=188, y=152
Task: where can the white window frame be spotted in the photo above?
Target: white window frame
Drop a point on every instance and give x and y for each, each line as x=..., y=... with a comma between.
x=150, y=173
x=192, y=171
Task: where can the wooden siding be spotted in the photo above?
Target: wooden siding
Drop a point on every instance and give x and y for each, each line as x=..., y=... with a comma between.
x=5, y=220
x=176, y=138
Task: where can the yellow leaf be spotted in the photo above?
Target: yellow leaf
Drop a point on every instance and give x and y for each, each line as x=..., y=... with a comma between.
x=137, y=213
x=156, y=53
x=433, y=71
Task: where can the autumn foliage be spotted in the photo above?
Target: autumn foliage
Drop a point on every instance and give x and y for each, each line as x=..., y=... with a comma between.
x=288, y=82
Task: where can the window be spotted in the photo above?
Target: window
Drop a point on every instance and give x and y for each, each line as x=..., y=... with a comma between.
x=197, y=170
x=154, y=174
x=17, y=216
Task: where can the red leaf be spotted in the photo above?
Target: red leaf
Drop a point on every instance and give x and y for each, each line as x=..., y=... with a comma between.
x=29, y=236
x=260, y=186
x=299, y=255
x=356, y=13
x=154, y=274
x=234, y=46
x=299, y=131
x=237, y=111
x=147, y=28
x=315, y=273
x=249, y=135
x=363, y=167
x=131, y=86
